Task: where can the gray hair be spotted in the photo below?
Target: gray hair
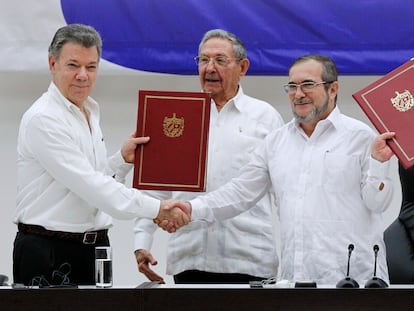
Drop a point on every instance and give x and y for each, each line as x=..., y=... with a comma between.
x=238, y=46
x=329, y=71
x=84, y=35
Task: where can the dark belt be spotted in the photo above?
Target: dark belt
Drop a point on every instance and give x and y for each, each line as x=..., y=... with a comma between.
x=89, y=237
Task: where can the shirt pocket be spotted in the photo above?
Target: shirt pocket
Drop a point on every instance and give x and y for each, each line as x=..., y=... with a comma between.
x=342, y=173
x=190, y=241
x=242, y=148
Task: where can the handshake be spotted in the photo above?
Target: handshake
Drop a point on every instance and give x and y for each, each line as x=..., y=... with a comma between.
x=173, y=214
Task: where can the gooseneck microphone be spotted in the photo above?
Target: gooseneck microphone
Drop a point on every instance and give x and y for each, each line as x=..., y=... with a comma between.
x=350, y=249
x=348, y=282
x=376, y=249
x=375, y=282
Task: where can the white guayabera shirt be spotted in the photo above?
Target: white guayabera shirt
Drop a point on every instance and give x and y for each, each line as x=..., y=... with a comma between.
x=327, y=190
x=244, y=244
x=64, y=178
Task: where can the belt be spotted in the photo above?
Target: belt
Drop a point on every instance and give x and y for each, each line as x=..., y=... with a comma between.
x=89, y=237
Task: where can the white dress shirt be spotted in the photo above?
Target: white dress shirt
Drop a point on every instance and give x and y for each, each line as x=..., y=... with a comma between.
x=64, y=179
x=246, y=243
x=327, y=190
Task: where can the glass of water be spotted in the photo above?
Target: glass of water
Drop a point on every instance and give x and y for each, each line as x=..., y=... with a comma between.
x=103, y=266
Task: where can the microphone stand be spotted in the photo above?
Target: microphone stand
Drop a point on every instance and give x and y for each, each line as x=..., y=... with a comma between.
x=375, y=282
x=348, y=282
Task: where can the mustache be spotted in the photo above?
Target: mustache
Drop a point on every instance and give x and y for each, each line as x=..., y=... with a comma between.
x=211, y=77
x=302, y=101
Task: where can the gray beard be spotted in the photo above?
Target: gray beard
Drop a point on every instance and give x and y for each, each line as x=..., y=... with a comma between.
x=314, y=114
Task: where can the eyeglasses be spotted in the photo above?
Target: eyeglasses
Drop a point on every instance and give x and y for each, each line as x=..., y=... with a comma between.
x=221, y=61
x=308, y=86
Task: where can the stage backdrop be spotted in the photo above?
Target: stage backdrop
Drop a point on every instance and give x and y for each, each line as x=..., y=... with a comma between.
x=364, y=37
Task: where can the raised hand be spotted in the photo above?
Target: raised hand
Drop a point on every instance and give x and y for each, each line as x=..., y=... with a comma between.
x=144, y=260
x=380, y=150
x=173, y=215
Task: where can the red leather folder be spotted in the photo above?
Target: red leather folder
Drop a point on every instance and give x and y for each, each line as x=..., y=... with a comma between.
x=175, y=158
x=389, y=105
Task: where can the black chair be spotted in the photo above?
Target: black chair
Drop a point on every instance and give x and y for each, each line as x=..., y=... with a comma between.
x=400, y=254
x=3, y=280
x=399, y=236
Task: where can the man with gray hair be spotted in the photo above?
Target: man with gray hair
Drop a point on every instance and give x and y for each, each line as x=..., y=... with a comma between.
x=67, y=188
x=237, y=250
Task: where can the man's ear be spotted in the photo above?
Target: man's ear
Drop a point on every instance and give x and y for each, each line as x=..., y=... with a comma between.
x=244, y=66
x=52, y=62
x=333, y=89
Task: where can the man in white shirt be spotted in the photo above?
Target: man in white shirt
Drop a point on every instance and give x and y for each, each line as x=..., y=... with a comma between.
x=236, y=250
x=66, y=185
x=330, y=178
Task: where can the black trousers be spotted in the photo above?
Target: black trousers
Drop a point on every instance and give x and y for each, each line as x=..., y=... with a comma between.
x=39, y=256
x=202, y=277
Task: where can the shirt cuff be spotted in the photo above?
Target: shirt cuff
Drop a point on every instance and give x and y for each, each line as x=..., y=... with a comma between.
x=380, y=170
x=143, y=240
x=144, y=230
x=150, y=207
x=200, y=212
x=119, y=165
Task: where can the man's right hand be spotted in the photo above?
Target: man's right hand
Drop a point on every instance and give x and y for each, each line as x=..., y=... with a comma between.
x=130, y=145
x=144, y=259
x=173, y=214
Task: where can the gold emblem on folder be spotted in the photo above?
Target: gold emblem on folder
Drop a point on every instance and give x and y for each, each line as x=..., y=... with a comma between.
x=403, y=101
x=173, y=126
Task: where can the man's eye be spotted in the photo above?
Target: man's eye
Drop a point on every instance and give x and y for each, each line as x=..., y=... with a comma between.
x=308, y=85
x=221, y=60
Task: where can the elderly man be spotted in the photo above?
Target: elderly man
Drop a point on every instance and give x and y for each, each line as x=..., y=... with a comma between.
x=241, y=249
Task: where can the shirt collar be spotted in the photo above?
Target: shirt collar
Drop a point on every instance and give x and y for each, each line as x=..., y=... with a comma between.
x=236, y=100
x=90, y=103
x=333, y=119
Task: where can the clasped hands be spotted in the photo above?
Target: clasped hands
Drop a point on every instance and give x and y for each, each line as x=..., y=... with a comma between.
x=173, y=214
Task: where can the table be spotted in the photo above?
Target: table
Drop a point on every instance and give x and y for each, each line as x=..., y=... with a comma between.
x=209, y=298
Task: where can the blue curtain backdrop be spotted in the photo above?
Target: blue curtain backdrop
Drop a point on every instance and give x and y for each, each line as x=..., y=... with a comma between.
x=364, y=37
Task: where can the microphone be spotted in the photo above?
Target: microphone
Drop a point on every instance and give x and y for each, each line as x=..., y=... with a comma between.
x=375, y=282
x=348, y=282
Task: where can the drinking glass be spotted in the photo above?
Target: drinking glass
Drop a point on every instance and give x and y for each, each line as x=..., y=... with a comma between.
x=103, y=266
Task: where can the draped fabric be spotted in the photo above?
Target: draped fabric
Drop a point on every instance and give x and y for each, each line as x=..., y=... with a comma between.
x=364, y=37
